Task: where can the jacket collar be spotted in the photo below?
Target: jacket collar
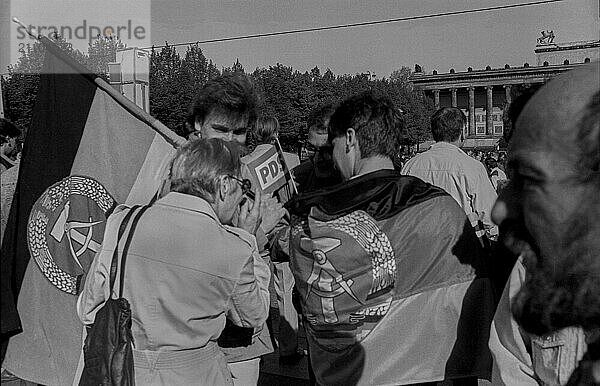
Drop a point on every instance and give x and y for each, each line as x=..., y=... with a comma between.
x=188, y=202
x=446, y=145
x=381, y=194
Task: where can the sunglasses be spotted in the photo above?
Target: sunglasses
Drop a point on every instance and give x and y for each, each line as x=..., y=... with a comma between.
x=246, y=186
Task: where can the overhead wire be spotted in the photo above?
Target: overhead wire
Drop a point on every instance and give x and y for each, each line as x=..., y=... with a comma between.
x=360, y=24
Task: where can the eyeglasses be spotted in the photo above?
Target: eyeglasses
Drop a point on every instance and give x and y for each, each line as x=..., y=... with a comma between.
x=246, y=186
x=194, y=135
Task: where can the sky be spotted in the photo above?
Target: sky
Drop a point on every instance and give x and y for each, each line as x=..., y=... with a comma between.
x=475, y=40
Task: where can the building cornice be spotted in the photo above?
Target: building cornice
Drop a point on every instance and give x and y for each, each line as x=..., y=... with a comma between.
x=566, y=46
x=492, y=77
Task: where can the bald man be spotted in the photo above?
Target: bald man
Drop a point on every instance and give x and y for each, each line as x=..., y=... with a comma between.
x=549, y=215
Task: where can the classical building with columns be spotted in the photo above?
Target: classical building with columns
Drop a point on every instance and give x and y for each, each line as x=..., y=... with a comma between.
x=484, y=94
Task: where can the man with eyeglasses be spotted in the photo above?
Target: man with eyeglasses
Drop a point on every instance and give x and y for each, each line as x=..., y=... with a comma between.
x=225, y=107
x=318, y=170
x=188, y=268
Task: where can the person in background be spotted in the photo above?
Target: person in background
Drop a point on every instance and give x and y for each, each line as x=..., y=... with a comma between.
x=9, y=133
x=9, y=169
x=387, y=265
x=318, y=171
x=548, y=216
x=447, y=166
x=266, y=132
x=226, y=108
x=187, y=268
x=497, y=176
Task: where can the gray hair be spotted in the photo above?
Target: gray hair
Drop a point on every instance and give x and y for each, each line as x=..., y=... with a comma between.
x=199, y=165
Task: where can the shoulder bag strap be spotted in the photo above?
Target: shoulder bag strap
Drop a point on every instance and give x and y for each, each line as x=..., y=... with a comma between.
x=115, y=262
x=126, y=247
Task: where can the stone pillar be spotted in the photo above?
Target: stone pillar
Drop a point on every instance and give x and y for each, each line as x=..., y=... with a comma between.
x=471, y=111
x=489, y=124
x=436, y=99
x=454, y=104
x=507, y=95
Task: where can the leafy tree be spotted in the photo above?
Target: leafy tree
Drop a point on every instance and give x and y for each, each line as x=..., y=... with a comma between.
x=174, y=80
x=101, y=51
x=402, y=77
x=166, y=90
x=20, y=87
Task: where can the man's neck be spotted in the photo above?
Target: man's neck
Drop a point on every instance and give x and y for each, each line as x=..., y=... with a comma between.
x=373, y=164
x=458, y=143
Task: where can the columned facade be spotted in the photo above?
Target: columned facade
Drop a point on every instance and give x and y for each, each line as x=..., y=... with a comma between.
x=471, y=111
x=482, y=95
x=507, y=95
x=489, y=126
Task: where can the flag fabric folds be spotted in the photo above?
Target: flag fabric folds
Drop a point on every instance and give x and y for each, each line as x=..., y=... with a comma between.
x=87, y=150
x=392, y=283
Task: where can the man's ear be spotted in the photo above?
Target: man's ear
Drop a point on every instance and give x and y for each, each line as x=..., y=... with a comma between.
x=224, y=187
x=350, y=139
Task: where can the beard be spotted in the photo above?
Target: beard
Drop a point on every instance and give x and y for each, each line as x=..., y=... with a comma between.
x=565, y=292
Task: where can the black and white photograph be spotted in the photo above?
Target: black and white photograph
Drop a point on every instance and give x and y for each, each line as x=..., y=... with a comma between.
x=300, y=193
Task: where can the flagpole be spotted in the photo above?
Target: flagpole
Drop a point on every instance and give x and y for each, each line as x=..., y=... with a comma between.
x=140, y=114
x=29, y=31
x=286, y=170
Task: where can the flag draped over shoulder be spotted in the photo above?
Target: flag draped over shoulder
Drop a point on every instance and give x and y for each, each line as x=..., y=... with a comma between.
x=392, y=282
x=87, y=150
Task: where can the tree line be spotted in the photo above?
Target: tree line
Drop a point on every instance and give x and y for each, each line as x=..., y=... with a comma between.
x=175, y=77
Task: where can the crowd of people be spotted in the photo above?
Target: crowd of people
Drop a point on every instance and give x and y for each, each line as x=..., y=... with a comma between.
x=440, y=270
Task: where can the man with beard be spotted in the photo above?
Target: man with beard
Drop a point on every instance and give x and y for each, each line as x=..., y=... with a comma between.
x=548, y=215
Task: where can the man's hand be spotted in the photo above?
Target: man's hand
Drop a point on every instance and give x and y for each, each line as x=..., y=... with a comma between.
x=272, y=211
x=249, y=217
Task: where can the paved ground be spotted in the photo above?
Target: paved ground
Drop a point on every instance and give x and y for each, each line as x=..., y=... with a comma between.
x=272, y=372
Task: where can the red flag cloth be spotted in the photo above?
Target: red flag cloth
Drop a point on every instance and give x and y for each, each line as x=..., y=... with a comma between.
x=87, y=150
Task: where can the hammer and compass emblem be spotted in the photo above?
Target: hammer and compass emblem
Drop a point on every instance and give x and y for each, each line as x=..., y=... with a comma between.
x=62, y=228
x=65, y=229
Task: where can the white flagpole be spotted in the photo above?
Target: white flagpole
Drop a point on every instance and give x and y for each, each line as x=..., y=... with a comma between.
x=286, y=170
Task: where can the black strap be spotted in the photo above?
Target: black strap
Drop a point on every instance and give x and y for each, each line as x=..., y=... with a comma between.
x=126, y=247
x=115, y=258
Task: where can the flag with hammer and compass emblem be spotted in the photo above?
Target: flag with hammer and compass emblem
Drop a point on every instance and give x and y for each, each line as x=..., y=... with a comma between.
x=87, y=150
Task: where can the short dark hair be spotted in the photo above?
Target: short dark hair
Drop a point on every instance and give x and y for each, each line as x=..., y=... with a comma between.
x=514, y=109
x=491, y=163
x=8, y=130
x=320, y=115
x=230, y=94
x=447, y=124
x=375, y=120
x=266, y=129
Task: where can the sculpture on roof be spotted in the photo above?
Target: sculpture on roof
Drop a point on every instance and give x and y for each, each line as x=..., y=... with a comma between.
x=547, y=38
